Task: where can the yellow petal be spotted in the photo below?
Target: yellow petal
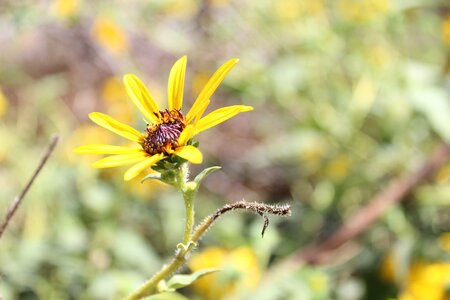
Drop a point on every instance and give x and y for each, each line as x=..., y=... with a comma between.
x=120, y=160
x=105, y=149
x=141, y=97
x=176, y=84
x=220, y=115
x=115, y=126
x=210, y=88
x=201, y=111
x=190, y=153
x=139, y=167
x=186, y=135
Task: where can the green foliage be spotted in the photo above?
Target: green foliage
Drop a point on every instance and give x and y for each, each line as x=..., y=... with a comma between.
x=180, y=281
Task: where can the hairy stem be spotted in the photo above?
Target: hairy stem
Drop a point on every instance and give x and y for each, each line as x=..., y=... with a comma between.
x=189, y=205
x=149, y=286
x=259, y=208
x=188, y=195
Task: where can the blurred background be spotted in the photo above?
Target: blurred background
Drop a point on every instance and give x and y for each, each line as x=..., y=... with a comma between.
x=348, y=96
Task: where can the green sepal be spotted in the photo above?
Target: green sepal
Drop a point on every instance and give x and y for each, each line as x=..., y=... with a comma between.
x=156, y=176
x=167, y=296
x=168, y=176
x=180, y=281
x=202, y=175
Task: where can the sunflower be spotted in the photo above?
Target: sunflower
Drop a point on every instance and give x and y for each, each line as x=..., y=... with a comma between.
x=168, y=132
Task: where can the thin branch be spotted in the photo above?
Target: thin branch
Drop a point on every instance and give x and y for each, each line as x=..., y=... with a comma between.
x=359, y=222
x=18, y=199
x=259, y=208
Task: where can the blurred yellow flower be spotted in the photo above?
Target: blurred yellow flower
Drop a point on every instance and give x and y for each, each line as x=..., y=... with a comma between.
x=427, y=281
x=338, y=167
x=3, y=104
x=112, y=90
x=199, y=81
x=109, y=35
x=66, y=8
x=114, y=95
x=444, y=241
x=443, y=175
x=363, y=10
x=87, y=134
x=387, y=269
x=446, y=30
x=240, y=270
x=168, y=132
x=292, y=9
x=185, y=9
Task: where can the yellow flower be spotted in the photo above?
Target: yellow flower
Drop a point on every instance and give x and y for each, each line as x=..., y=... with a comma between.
x=444, y=241
x=427, y=281
x=388, y=267
x=66, y=8
x=108, y=34
x=364, y=10
x=239, y=270
x=113, y=95
x=168, y=132
x=339, y=167
x=294, y=9
x=446, y=30
x=3, y=104
x=443, y=175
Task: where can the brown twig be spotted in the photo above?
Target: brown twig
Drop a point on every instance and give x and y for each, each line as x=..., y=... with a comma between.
x=369, y=214
x=259, y=208
x=18, y=199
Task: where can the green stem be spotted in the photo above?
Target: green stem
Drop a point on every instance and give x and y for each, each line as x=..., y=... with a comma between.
x=188, y=196
x=189, y=226
x=149, y=286
x=188, y=192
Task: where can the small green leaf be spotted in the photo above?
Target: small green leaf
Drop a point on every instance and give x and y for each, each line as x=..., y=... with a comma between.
x=167, y=296
x=198, y=179
x=179, y=281
x=151, y=176
x=162, y=286
x=185, y=248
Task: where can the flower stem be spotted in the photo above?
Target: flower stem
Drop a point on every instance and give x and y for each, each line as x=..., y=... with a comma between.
x=188, y=191
x=149, y=286
x=188, y=196
x=189, y=205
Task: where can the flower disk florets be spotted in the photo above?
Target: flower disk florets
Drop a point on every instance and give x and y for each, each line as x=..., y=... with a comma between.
x=163, y=137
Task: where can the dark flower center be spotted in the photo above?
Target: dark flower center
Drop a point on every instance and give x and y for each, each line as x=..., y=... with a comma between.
x=163, y=137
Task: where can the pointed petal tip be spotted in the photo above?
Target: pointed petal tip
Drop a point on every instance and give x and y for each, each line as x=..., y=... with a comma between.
x=93, y=114
x=128, y=76
x=128, y=177
x=77, y=150
x=95, y=165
